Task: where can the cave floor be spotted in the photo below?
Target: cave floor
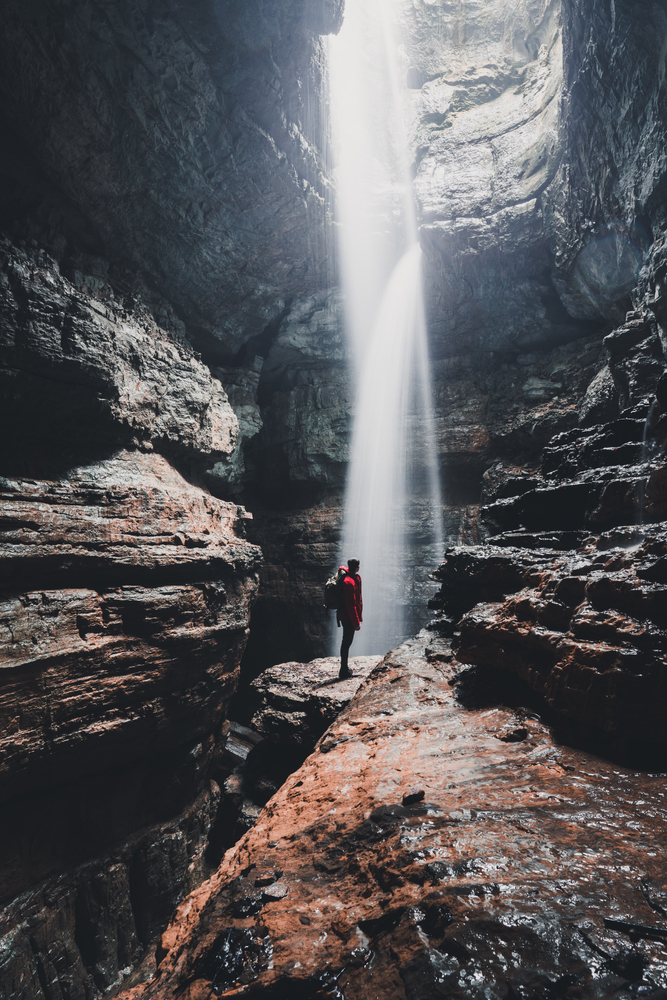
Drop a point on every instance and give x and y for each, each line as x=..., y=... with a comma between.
x=496, y=884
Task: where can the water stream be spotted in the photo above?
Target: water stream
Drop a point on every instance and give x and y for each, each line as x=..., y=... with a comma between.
x=393, y=511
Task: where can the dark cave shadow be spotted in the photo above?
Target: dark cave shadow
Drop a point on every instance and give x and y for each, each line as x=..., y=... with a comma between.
x=487, y=687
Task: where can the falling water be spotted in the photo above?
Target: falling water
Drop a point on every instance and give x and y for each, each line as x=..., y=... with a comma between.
x=392, y=495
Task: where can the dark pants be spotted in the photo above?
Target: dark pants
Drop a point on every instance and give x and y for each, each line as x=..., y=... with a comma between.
x=348, y=636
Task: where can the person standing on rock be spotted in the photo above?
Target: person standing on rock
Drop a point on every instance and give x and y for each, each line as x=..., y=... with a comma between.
x=348, y=613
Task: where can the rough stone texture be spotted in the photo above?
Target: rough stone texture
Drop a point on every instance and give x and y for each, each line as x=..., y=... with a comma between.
x=125, y=596
x=538, y=137
x=306, y=399
x=491, y=406
x=495, y=882
x=584, y=628
x=184, y=143
x=297, y=702
x=609, y=193
x=486, y=406
x=487, y=140
x=81, y=372
x=80, y=933
x=293, y=704
x=584, y=622
x=289, y=619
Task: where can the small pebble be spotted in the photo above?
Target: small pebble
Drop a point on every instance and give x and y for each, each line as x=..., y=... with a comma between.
x=276, y=891
x=414, y=795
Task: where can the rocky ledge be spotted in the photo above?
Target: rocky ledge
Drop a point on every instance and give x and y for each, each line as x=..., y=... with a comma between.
x=426, y=849
x=294, y=703
x=585, y=628
x=297, y=702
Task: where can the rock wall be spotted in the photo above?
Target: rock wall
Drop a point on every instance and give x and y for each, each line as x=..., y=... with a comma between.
x=182, y=144
x=570, y=593
x=171, y=354
x=125, y=601
x=163, y=197
x=537, y=210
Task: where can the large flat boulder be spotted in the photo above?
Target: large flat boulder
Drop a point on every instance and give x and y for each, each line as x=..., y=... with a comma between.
x=428, y=850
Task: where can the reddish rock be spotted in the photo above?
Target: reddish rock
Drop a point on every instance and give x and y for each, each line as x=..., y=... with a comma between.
x=496, y=884
x=298, y=701
x=124, y=609
x=127, y=518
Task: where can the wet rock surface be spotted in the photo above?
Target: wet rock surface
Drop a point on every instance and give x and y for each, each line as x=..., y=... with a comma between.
x=499, y=880
x=291, y=705
x=584, y=628
x=297, y=702
x=486, y=106
x=571, y=584
x=124, y=607
x=89, y=929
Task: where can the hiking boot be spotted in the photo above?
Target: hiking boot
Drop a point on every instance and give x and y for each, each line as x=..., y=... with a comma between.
x=345, y=674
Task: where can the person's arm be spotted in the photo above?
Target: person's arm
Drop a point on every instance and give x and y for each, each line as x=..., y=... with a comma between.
x=349, y=597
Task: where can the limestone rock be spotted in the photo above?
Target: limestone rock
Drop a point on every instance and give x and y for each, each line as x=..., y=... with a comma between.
x=486, y=139
x=585, y=628
x=83, y=931
x=613, y=161
x=125, y=596
x=516, y=842
x=81, y=373
x=307, y=402
x=189, y=144
x=298, y=701
x=158, y=588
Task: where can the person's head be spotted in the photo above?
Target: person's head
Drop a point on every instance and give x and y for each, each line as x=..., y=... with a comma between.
x=353, y=565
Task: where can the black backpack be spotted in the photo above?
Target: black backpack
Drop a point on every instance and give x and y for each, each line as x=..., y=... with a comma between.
x=333, y=590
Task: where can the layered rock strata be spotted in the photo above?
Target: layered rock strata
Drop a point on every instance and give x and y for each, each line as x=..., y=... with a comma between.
x=82, y=371
x=585, y=628
x=297, y=702
x=572, y=588
x=125, y=596
x=426, y=850
x=293, y=704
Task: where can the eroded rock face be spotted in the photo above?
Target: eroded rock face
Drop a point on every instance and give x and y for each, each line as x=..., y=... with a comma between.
x=607, y=199
x=584, y=628
x=124, y=609
x=487, y=140
x=80, y=372
x=425, y=850
x=291, y=705
x=182, y=143
x=572, y=587
x=297, y=702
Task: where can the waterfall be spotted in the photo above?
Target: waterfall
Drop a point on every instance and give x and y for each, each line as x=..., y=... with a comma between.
x=392, y=503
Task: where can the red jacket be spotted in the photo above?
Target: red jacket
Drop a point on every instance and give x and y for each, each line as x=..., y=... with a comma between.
x=351, y=612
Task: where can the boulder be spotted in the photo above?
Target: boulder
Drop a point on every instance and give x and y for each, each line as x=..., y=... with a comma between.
x=297, y=702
